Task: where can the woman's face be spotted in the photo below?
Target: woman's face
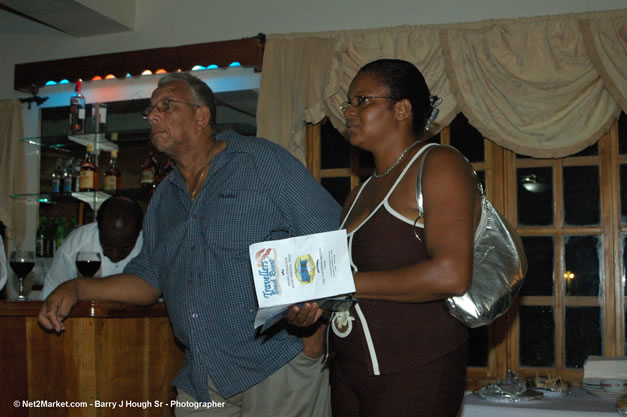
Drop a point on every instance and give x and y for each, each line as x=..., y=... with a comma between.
x=369, y=120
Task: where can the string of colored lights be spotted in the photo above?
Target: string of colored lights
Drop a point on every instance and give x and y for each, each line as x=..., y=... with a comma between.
x=146, y=72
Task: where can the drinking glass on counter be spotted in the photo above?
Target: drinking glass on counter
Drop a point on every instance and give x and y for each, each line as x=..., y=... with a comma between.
x=22, y=262
x=88, y=263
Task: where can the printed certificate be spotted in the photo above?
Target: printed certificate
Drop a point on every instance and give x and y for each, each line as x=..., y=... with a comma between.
x=299, y=269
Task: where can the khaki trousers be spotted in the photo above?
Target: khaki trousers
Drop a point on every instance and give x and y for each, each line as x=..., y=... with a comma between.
x=298, y=389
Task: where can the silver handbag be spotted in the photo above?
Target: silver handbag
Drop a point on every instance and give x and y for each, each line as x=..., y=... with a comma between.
x=499, y=264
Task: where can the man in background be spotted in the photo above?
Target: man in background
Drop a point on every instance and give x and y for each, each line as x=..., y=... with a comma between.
x=116, y=236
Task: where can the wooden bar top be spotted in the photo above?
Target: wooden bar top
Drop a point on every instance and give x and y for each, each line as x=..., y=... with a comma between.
x=85, y=309
x=109, y=353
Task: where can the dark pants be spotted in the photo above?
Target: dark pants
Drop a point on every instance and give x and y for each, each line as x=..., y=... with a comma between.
x=433, y=390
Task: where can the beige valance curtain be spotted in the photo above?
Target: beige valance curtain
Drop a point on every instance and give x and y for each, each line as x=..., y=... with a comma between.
x=545, y=87
x=13, y=169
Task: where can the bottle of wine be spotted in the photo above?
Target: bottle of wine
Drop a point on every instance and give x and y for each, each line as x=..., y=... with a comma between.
x=57, y=177
x=49, y=232
x=113, y=177
x=97, y=121
x=40, y=238
x=101, y=125
x=77, y=109
x=67, y=175
x=150, y=168
x=89, y=174
x=76, y=175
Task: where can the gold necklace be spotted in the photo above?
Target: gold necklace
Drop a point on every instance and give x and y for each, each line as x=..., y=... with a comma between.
x=202, y=173
x=402, y=154
x=200, y=178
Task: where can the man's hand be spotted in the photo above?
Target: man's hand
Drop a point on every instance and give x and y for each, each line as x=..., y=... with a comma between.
x=313, y=345
x=305, y=315
x=58, y=305
x=307, y=318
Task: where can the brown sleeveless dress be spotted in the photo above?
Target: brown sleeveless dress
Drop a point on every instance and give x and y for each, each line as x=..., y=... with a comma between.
x=399, y=359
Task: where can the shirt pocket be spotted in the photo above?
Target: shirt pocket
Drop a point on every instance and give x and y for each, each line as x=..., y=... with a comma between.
x=238, y=218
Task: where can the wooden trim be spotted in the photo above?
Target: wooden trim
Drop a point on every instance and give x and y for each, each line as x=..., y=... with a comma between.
x=248, y=52
x=616, y=267
x=336, y=172
x=312, y=149
x=607, y=241
x=85, y=309
x=499, y=335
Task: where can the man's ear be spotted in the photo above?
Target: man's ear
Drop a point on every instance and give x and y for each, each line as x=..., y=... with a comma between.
x=203, y=116
x=403, y=109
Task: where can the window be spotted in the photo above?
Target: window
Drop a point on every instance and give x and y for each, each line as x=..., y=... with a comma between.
x=572, y=216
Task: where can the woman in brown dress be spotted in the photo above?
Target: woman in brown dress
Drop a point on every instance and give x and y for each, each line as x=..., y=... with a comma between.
x=399, y=352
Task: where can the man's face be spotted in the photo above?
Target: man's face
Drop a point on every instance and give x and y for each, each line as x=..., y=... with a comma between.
x=117, y=245
x=171, y=128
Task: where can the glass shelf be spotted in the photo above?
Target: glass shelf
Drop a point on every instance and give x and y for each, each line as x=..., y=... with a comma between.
x=93, y=198
x=54, y=142
x=100, y=141
x=77, y=143
x=89, y=197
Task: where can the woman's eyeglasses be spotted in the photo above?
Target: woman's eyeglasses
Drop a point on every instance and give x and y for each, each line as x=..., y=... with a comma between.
x=358, y=101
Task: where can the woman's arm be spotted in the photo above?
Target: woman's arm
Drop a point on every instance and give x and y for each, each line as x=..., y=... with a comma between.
x=452, y=208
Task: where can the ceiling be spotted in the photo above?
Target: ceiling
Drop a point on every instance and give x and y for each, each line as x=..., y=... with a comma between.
x=98, y=17
x=78, y=18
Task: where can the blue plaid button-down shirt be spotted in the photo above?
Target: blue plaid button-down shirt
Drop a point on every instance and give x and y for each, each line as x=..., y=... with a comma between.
x=196, y=254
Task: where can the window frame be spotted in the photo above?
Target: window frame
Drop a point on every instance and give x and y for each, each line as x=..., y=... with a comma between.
x=500, y=168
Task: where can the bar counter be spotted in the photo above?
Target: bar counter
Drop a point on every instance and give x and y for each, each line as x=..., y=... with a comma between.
x=111, y=360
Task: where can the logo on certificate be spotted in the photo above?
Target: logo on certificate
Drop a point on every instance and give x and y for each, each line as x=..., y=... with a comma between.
x=305, y=269
x=266, y=264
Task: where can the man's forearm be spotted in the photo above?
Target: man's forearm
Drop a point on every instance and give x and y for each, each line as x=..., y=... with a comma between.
x=120, y=288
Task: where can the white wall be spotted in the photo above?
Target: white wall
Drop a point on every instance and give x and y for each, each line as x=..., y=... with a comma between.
x=162, y=23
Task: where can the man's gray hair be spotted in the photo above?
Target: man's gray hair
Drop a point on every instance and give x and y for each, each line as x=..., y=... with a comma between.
x=199, y=88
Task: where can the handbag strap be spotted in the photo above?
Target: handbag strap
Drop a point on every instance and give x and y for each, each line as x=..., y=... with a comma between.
x=419, y=197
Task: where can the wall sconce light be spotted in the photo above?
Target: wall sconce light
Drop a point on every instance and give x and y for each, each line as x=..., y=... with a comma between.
x=533, y=183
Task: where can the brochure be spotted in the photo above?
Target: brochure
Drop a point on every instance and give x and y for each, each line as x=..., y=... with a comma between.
x=298, y=269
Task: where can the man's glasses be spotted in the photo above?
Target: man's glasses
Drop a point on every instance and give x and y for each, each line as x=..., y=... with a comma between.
x=358, y=101
x=164, y=105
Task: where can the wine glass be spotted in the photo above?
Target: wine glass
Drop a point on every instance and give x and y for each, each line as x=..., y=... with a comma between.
x=22, y=262
x=88, y=263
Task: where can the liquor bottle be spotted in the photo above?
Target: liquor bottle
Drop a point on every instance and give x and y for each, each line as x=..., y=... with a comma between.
x=77, y=109
x=113, y=178
x=49, y=230
x=101, y=119
x=40, y=238
x=149, y=168
x=97, y=122
x=89, y=174
x=76, y=175
x=57, y=177
x=67, y=175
